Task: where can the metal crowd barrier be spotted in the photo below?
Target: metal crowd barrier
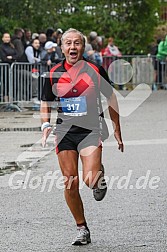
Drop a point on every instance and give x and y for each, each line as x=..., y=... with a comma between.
x=130, y=69
x=24, y=81
x=4, y=81
x=21, y=82
x=136, y=69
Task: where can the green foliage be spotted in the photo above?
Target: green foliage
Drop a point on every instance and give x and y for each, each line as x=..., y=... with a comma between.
x=131, y=23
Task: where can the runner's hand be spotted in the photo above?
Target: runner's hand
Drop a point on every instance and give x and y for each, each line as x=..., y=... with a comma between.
x=46, y=133
x=118, y=137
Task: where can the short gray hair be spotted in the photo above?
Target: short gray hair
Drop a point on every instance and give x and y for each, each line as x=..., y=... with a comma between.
x=73, y=30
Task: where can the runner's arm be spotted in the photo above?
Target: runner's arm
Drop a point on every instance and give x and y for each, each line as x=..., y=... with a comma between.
x=45, y=110
x=45, y=113
x=47, y=98
x=114, y=115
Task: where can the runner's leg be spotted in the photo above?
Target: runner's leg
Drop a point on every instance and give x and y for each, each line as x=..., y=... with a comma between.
x=68, y=160
x=93, y=171
x=91, y=161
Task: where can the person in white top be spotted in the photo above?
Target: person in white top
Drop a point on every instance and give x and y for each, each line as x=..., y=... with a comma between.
x=33, y=56
x=32, y=52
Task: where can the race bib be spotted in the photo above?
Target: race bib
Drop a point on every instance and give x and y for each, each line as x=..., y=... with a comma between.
x=74, y=106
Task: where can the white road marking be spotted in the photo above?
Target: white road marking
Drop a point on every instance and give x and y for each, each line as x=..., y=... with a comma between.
x=139, y=142
x=36, y=152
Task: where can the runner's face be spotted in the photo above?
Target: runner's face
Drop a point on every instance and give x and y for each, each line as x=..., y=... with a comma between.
x=72, y=47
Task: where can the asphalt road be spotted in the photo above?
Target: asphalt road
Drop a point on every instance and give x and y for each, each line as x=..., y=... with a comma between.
x=132, y=217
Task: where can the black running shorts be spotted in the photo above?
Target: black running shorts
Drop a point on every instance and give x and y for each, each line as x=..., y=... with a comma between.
x=76, y=141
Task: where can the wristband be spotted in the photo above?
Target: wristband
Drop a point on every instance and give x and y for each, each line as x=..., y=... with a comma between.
x=45, y=125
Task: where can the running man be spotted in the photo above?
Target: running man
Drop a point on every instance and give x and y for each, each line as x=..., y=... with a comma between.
x=77, y=83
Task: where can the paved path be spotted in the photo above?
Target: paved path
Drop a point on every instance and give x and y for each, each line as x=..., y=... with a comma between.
x=34, y=218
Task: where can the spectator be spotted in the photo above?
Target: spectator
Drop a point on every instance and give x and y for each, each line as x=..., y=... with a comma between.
x=7, y=49
x=97, y=55
x=112, y=53
x=51, y=54
x=49, y=34
x=35, y=35
x=33, y=56
x=27, y=37
x=92, y=38
x=98, y=47
x=32, y=52
x=89, y=52
x=157, y=72
x=8, y=54
x=18, y=42
x=42, y=40
x=96, y=43
x=101, y=42
x=57, y=36
x=111, y=49
x=161, y=57
x=154, y=48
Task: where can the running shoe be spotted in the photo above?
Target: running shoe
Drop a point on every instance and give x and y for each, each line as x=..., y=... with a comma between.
x=100, y=191
x=83, y=236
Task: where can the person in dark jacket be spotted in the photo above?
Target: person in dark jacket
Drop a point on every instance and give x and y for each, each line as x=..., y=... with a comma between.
x=8, y=54
x=19, y=43
x=7, y=50
x=49, y=34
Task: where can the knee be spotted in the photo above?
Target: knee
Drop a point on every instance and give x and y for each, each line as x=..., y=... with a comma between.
x=71, y=183
x=91, y=178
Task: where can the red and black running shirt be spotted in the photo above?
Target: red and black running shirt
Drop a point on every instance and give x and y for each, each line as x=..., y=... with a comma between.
x=79, y=84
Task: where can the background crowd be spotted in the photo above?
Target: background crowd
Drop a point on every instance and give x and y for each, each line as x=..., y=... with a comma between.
x=25, y=46
x=45, y=48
